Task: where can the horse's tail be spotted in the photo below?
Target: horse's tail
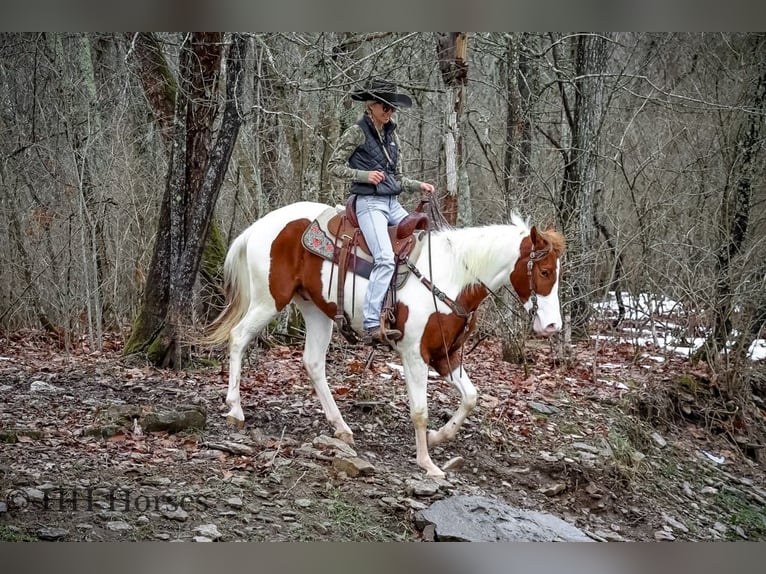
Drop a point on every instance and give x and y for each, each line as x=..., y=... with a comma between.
x=236, y=285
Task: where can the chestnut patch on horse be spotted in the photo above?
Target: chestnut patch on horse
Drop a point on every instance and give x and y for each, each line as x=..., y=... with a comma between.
x=444, y=335
x=296, y=271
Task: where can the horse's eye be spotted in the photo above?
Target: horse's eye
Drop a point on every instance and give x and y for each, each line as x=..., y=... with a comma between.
x=545, y=273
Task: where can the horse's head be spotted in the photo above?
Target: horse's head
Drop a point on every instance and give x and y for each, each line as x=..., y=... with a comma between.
x=535, y=278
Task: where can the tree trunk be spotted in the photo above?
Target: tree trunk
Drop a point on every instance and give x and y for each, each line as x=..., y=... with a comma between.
x=195, y=173
x=735, y=214
x=580, y=181
x=451, y=51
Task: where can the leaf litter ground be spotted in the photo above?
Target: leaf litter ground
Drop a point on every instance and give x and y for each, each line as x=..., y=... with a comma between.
x=578, y=442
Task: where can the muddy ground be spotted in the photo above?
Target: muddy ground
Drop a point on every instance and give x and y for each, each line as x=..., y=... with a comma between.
x=622, y=445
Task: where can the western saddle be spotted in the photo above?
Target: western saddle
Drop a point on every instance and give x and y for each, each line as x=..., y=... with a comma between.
x=348, y=237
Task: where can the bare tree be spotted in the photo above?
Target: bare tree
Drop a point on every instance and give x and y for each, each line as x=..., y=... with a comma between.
x=451, y=50
x=195, y=173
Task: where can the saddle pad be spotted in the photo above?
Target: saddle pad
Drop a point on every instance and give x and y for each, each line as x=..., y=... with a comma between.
x=318, y=239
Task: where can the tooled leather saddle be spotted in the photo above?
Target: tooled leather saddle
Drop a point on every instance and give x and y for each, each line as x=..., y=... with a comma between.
x=335, y=236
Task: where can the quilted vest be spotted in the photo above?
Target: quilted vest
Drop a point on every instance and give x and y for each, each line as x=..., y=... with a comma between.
x=370, y=157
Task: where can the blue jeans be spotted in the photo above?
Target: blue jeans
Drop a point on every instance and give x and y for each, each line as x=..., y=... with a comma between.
x=375, y=213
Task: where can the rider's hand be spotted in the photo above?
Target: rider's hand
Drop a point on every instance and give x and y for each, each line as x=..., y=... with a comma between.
x=427, y=187
x=375, y=177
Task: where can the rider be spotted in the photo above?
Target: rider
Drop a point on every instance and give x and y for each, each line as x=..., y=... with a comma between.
x=368, y=155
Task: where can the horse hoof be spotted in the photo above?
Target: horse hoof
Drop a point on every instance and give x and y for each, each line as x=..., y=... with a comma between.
x=346, y=437
x=435, y=473
x=236, y=423
x=455, y=463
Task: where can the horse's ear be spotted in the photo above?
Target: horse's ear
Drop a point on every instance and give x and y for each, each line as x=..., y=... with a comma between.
x=533, y=236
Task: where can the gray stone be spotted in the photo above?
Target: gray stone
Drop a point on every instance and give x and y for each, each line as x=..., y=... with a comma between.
x=202, y=539
x=178, y=514
x=324, y=442
x=235, y=502
x=43, y=387
x=542, y=408
x=232, y=447
x=118, y=526
x=553, y=489
x=659, y=440
x=481, y=519
x=353, y=466
x=50, y=533
x=3, y=507
x=664, y=535
x=209, y=531
x=586, y=447
x=303, y=502
x=183, y=418
x=425, y=487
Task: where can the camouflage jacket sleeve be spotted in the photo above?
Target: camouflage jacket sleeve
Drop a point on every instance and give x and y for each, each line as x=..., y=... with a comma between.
x=338, y=166
x=407, y=183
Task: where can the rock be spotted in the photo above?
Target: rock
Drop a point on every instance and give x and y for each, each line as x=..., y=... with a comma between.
x=3, y=507
x=235, y=502
x=324, y=442
x=542, y=408
x=202, y=539
x=52, y=533
x=553, y=489
x=118, y=526
x=232, y=447
x=586, y=447
x=659, y=440
x=34, y=494
x=708, y=490
x=353, y=466
x=422, y=488
x=178, y=514
x=303, y=502
x=677, y=524
x=156, y=481
x=43, y=387
x=481, y=519
x=209, y=531
x=11, y=436
x=183, y=418
x=429, y=533
x=661, y=535
x=687, y=490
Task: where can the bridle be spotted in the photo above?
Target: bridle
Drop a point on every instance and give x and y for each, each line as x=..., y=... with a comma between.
x=533, y=257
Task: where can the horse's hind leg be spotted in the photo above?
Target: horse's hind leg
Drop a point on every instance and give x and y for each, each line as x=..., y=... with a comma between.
x=462, y=383
x=318, y=334
x=254, y=320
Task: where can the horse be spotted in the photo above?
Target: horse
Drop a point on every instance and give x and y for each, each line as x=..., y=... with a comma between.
x=267, y=267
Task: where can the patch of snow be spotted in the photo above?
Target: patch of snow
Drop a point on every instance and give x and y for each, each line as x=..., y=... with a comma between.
x=715, y=458
x=757, y=351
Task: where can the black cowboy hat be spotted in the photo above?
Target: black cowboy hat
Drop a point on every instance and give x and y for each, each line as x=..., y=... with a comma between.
x=382, y=91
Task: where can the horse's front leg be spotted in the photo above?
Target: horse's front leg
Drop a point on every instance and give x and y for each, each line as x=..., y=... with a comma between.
x=416, y=375
x=459, y=379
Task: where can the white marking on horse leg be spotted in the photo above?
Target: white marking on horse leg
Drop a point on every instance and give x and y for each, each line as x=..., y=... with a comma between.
x=239, y=338
x=416, y=375
x=459, y=379
x=318, y=334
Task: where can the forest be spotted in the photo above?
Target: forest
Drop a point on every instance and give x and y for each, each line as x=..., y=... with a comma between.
x=129, y=162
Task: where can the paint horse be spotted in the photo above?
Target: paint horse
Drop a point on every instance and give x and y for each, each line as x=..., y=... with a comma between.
x=267, y=267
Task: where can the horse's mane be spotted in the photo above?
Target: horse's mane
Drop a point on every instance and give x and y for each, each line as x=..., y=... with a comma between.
x=555, y=239
x=493, y=243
